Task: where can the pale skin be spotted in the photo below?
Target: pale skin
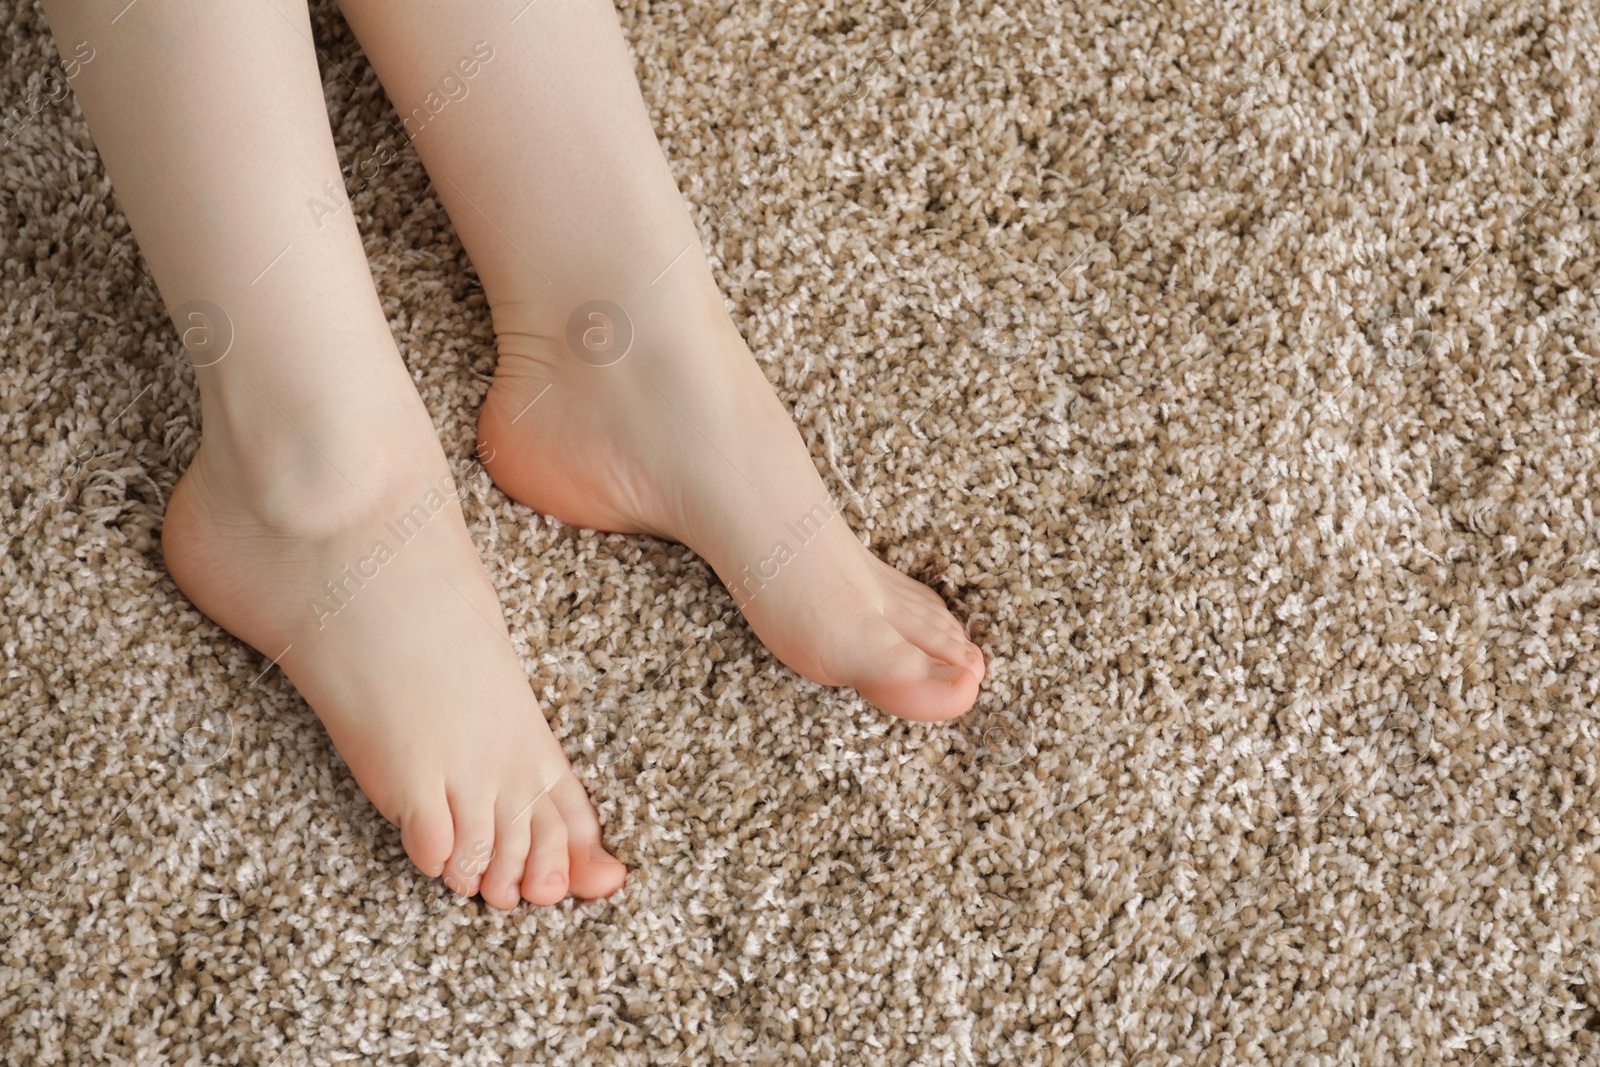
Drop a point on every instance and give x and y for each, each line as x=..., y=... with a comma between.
x=211, y=123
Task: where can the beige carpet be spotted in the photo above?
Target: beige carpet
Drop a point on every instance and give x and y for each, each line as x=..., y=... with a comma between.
x=1230, y=368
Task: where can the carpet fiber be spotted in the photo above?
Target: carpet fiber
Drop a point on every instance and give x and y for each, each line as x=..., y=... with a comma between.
x=1231, y=370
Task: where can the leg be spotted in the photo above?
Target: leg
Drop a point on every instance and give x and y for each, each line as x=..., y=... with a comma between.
x=318, y=521
x=530, y=121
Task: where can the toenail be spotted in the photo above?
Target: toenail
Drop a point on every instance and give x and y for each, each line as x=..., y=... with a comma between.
x=556, y=878
x=946, y=673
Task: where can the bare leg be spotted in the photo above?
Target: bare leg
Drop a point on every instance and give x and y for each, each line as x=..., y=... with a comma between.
x=318, y=521
x=529, y=119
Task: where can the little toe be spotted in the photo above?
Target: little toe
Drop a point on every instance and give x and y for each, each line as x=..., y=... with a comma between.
x=513, y=840
x=429, y=835
x=594, y=871
x=474, y=846
x=544, y=881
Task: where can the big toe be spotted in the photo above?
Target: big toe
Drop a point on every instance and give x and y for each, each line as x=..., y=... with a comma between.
x=913, y=670
x=919, y=615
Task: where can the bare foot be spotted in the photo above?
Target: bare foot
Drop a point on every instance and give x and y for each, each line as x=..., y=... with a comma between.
x=369, y=594
x=682, y=437
x=561, y=195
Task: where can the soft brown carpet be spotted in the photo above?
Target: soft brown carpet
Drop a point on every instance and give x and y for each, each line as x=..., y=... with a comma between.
x=1230, y=368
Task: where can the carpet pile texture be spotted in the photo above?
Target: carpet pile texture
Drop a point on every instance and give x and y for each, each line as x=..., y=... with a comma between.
x=1231, y=370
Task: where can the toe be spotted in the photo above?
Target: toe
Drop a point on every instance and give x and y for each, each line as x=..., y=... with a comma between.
x=594, y=871
x=937, y=633
x=901, y=679
x=544, y=881
x=429, y=834
x=922, y=593
x=474, y=844
x=513, y=840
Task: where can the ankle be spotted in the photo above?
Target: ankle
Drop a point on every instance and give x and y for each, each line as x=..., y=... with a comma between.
x=304, y=471
x=306, y=501
x=681, y=308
